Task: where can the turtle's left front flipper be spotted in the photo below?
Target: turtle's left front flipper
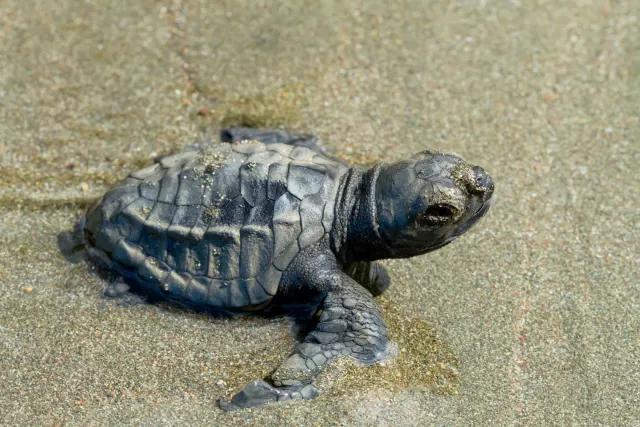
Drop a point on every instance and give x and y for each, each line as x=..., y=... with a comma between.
x=276, y=136
x=349, y=325
x=270, y=136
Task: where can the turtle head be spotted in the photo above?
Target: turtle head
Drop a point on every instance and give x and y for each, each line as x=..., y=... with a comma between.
x=424, y=203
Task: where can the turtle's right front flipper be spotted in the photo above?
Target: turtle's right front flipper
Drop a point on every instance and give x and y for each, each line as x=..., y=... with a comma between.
x=370, y=274
x=349, y=325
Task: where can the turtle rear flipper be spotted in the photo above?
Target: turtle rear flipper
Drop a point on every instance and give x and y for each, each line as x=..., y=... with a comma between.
x=118, y=290
x=71, y=243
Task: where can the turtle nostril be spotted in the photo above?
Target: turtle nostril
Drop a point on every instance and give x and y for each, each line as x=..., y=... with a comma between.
x=483, y=183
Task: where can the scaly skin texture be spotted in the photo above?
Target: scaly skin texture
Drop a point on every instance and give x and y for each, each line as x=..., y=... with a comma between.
x=301, y=228
x=349, y=324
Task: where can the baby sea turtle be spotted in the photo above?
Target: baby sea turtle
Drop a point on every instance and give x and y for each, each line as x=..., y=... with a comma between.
x=267, y=218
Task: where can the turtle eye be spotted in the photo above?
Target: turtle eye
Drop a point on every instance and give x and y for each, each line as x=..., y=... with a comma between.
x=437, y=214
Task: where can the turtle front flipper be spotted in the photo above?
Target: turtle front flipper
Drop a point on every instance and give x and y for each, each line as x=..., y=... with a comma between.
x=272, y=136
x=259, y=392
x=349, y=324
x=372, y=275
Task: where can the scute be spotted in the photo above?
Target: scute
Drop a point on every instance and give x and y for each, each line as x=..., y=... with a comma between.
x=184, y=218
x=149, y=190
x=302, y=153
x=146, y=172
x=286, y=208
x=169, y=187
x=305, y=179
x=128, y=254
x=190, y=189
x=277, y=180
x=176, y=160
x=252, y=183
x=224, y=249
x=248, y=147
x=283, y=149
x=255, y=292
x=311, y=212
x=256, y=250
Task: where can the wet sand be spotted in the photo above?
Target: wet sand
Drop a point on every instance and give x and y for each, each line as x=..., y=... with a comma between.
x=531, y=318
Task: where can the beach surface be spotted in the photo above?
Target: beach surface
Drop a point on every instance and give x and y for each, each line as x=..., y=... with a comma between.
x=531, y=318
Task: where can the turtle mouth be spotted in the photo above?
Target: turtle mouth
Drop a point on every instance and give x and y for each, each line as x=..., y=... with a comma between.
x=482, y=209
x=438, y=214
x=479, y=213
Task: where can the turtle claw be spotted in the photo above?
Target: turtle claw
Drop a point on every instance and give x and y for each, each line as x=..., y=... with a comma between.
x=116, y=289
x=259, y=392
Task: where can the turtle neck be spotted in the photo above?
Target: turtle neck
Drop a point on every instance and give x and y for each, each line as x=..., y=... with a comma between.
x=355, y=235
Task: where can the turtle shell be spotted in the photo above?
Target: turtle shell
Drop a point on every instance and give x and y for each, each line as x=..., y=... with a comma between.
x=217, y=224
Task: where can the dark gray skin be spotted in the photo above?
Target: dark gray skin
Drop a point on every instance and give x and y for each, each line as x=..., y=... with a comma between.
x=311, y=236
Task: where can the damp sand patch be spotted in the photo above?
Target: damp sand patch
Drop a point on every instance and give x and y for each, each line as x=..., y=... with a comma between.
x=422, y=360
x=277, y=108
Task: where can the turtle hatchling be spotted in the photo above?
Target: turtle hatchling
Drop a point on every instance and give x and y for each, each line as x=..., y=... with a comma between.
x=266, y=218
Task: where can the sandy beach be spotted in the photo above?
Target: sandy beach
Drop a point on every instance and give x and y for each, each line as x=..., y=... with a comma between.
x=531, y=318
